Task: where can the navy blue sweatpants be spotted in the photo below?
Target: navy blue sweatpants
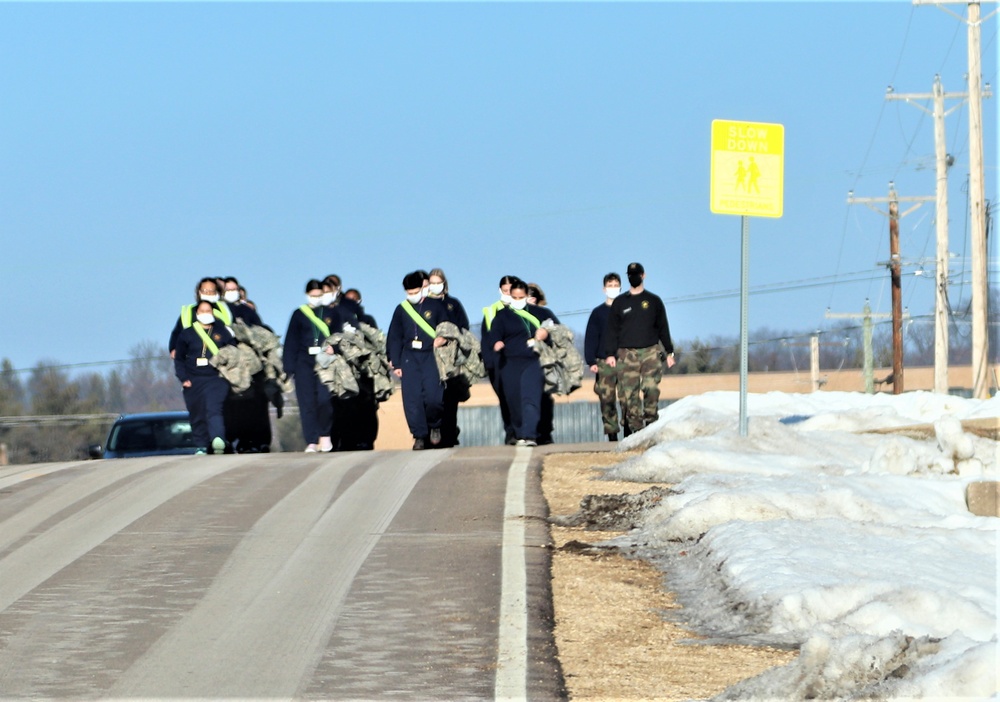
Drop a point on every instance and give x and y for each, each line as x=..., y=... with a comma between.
x=423, y=392
x=522, y=385
x=315, y=408
x=204, y=400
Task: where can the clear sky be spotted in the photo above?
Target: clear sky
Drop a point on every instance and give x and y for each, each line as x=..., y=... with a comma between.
x=145, y=145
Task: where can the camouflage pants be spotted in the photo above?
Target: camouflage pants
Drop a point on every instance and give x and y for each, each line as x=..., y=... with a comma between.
x=606, y=387
x=639, y=371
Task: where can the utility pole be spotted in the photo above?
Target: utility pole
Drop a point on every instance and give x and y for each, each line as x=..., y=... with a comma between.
x=943, y=162
x=977, y=197
x=895, y=267
x=866, y=330
x=814, y=380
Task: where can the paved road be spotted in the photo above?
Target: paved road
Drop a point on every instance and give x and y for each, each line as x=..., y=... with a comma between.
x=386, y=575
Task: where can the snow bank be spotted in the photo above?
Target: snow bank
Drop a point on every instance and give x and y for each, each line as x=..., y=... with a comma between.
x=856, y=547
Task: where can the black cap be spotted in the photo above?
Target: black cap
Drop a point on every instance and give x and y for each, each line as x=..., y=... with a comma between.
x=413, y=280
x=635, y=269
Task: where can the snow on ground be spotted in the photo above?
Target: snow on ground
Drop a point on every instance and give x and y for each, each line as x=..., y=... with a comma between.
x=858, y=548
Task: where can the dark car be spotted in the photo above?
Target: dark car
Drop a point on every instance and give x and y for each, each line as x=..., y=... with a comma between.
x=148, y=434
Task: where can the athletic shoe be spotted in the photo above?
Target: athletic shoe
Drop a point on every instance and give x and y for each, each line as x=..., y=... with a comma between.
x=218, y=444
x=526, y=442
x=435, y=437
x=201, y=452
x=418, y=445
x=325, y=445
x=311, y=448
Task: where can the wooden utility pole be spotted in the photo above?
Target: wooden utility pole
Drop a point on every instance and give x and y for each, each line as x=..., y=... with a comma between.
x=895, y=267
x=977, y=196
x=814, y=379
x=941, y=309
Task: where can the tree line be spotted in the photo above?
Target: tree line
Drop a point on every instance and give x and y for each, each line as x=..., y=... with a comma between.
x=48, y=414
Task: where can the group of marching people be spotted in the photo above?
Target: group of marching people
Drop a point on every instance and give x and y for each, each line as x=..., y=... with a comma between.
x=232, y=366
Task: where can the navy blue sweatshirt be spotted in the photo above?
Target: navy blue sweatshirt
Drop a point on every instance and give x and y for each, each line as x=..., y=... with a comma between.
x=190, y=347
x=302, y=335
x=172, y=344
x=247, y=313
x=515, y=331
x=403, y=330
x=593, y=340
x=456, y=312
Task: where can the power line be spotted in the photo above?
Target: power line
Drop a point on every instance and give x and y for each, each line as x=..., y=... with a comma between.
x=857, y=276
x=88, y=364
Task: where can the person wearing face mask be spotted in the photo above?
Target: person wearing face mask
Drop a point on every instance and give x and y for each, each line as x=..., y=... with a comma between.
x=455, y=389
x=205, y=390
x=351, y=306
x=491, y=358
x=536, y=297
x=638, y=343
x=606, y=379
x=362, y=429
x=248, y=419
x=515, y=331
x=410, y=344
x=207, y=290
x=308, y=328
x=240, y=309
x=354, y=295
x=246, y=300
x=340, y=314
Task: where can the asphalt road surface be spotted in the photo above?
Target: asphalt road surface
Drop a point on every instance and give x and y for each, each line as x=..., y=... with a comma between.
x=385, y=575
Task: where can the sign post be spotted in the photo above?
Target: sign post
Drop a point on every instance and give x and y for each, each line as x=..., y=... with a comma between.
x=747, y=179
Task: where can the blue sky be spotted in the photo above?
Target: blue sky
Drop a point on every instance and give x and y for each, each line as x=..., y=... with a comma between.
x=145, y=145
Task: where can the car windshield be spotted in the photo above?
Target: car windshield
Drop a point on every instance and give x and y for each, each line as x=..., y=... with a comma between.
x=151, y=435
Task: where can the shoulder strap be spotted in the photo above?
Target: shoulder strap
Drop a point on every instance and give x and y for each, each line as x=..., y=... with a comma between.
x=187, y=314
x=490, y=312
x=222, y=311
x=207, y=339
x=320, y=324
x=421, y=322
x=528, y=316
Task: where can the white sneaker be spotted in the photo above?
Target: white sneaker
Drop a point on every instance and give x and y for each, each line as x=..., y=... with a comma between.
x=218, y=444
x=311, y=448
x=325, y=445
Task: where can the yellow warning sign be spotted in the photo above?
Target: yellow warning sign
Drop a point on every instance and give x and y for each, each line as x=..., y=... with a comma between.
x=748, y=168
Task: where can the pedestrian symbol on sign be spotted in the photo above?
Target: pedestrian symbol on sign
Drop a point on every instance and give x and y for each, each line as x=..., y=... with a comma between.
x=747, y=168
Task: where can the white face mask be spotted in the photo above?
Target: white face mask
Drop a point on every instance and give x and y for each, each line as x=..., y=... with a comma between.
x=232, y=296
x=519, y=304
x=505, y=298
x=436, y=288
x=612, y=293
x=328, y=298
x=415, y=298
x=314, y=300
x=210, y=298
x=206, y=318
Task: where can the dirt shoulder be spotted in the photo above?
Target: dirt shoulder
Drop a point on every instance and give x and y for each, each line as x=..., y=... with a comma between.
x=613, y=642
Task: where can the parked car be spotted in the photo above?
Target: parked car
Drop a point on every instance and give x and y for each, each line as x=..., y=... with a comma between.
x=147, y=434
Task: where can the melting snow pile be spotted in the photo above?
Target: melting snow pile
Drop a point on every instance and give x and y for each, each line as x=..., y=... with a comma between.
x=856, y=547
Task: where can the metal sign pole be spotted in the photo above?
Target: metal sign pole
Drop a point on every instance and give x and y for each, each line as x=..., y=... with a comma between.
x=744, y=321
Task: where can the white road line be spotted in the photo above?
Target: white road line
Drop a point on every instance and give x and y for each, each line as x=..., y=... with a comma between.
x=512, y=654
x=57, y=547
x=260, y=630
